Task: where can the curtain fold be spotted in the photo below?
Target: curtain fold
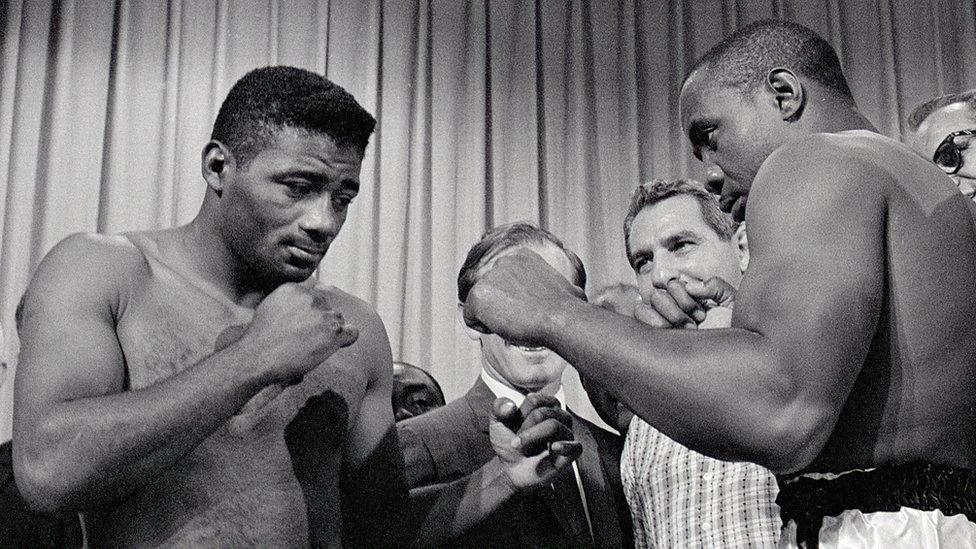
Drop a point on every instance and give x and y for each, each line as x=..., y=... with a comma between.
x=489, y=111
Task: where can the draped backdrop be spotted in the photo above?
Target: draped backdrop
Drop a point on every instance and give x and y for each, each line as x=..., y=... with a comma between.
x=489, y=111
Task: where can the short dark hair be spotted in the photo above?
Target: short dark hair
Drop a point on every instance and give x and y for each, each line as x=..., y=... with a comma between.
x=926, y=109
x=744, y=59
x=657, y=190
x=505, y=237
x=268, y=99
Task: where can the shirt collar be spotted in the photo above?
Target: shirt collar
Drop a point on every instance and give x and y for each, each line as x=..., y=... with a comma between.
x=502, y=390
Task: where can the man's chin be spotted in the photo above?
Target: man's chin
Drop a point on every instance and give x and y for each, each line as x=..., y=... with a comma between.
x=738, y=210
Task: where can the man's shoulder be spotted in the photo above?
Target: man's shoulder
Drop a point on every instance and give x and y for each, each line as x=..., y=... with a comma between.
x=84, y=263
x=848, y=151
x=443, y=444
x=353, y=308
x=453, y=416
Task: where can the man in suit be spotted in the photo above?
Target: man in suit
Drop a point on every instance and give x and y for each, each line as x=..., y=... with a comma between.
x=585, y=505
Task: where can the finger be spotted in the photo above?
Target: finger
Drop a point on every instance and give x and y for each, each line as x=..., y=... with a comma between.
x=665, y=305
x=537, y=439
x=685, y=302
x=647, y=315
x=507, y=413
x=539, y=415
x=564, y=453
x=537, y=400
x=468, y=313
x=715, y=289
x=349, y=334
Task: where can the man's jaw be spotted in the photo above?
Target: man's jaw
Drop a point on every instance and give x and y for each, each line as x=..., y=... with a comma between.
x=735, y=205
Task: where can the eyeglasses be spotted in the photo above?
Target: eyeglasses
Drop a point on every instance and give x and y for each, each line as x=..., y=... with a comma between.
x=947, y=155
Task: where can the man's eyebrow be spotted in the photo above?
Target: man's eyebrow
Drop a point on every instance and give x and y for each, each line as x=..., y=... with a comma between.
x=674, y=238
x=319, y=179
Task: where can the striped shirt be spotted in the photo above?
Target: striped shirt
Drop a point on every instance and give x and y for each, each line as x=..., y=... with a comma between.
x=680, y=498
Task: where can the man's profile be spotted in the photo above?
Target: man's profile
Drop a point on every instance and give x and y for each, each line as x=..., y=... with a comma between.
x=851, y=343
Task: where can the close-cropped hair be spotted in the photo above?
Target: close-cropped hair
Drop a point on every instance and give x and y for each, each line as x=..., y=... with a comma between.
x=505, y=237
x=268, y=99
x=926, y=109
x=657, y=190
x=745, y=58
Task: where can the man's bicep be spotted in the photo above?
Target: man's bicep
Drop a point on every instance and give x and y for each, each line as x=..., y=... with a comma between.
x=815, y=281
x=374, y=420
x=69, y=349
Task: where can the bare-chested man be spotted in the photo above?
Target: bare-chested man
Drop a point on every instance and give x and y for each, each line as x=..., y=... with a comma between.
x=193, y=387
x=850, y=366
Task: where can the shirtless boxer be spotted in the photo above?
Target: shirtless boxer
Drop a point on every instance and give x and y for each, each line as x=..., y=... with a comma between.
x=164, y=375
x=852, y=345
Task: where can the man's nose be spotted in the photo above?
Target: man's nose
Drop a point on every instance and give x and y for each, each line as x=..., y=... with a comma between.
x=663, y=272
x=320, y=219
x=714, y=178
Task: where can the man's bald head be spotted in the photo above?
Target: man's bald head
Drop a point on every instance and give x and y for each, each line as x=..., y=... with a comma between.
x=745, y=58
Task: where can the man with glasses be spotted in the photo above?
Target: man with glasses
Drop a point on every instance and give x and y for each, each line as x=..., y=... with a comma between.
x=944, y=130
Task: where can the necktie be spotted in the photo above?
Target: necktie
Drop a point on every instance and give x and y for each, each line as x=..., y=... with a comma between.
x=567, y=492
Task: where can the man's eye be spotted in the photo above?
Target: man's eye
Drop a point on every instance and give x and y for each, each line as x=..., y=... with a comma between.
x=342, y=201
x=298, y=188
x=642, y=265
x=682, y=245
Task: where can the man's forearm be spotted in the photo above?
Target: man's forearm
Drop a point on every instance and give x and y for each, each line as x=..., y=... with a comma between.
x=720, y=392
x=88, y=451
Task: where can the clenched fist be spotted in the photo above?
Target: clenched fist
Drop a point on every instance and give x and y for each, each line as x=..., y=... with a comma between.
x=296, y=328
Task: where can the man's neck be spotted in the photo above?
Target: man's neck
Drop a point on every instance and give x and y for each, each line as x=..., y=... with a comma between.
x=207, y=256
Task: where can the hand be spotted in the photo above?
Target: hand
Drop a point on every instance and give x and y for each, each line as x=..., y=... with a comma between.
x=515, y=297
x=718, y=296
x=295, y=329
x=686, y=304
x=670, y=307
x=532, y=450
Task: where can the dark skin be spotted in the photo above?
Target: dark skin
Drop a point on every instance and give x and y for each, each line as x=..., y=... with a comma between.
x=86, y=440
x=849, y=236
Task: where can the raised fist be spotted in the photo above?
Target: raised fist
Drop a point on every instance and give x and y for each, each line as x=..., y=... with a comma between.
x=296, y=328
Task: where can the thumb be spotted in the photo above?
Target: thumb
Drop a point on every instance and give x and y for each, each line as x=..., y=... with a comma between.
x=714, y=289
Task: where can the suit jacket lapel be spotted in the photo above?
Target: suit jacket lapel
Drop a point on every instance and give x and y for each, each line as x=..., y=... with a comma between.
x=479, y=399
x=596, y=486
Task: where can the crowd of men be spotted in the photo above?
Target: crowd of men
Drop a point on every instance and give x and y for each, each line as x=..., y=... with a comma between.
x=812, y=384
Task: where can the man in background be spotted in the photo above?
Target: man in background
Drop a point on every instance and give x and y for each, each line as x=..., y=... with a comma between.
x=943, y=130
x=415, y=391
x=675, y=230
x=584, y=506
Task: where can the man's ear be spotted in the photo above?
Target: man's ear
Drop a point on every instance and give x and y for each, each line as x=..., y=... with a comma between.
x=216, y=162
x=471, y=332
x=742, y=241
x=788, y=93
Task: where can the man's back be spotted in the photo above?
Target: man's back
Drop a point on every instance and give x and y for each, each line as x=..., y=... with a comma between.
x=236, y=487
x=913, y=398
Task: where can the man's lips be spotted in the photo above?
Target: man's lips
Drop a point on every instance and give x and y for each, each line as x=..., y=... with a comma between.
x=309, y=254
